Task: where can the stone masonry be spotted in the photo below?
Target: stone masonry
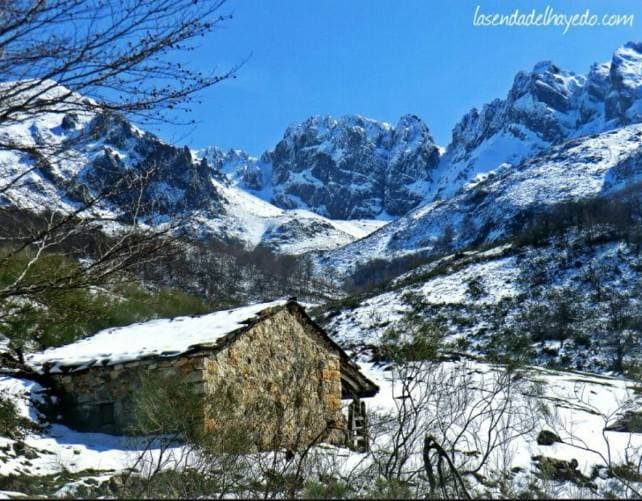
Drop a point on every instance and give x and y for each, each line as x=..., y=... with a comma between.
x=277, y=381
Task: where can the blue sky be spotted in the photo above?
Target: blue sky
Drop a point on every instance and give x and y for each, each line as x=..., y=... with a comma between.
x=378, y=58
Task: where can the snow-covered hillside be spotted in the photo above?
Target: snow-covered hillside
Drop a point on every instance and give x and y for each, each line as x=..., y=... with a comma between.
x=569, y=301
x=256, y=222
x=557, y=137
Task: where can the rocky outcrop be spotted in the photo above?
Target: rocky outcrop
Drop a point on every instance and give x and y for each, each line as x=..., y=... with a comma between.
x=236, y=167
x=342, y=168
x=141, y=174
x=625, y=79
x=353, y=167
x=548, y=437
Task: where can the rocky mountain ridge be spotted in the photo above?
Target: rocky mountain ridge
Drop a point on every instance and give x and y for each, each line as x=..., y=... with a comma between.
x=350, y=167
x=102, y=165
x=544, y=107
x=354, y=167
x=505, y=201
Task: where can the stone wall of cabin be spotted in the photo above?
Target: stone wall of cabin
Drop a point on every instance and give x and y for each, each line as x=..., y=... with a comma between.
x=277, y=385
x=100, y=398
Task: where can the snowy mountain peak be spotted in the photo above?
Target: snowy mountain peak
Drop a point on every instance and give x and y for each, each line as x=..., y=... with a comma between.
x=547, y=84
x=350, y=167
x=411, y=127
x=625, y=76
x=327, y=125
x=543, y=107
x=353, y=167
x=627, y=63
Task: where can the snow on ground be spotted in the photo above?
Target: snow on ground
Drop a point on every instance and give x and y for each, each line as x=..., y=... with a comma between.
x=58, y=448
x=162, y=337
x=579, y=407
x=358, y=228
x=502, y=149
x=497, y=279
x=369, y=320
x=582, y=406
x=575, y=406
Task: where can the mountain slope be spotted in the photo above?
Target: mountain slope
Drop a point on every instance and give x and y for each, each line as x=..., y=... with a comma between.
x=558, y=137
x=569, y=301
x=499, y=205
x=256, y=222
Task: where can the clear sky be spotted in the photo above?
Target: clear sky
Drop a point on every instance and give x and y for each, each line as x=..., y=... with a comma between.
x=378, y=58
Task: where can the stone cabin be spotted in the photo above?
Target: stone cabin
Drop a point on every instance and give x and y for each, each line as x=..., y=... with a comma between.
x=271, y=356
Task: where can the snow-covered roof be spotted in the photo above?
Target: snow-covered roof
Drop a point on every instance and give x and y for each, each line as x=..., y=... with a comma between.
x=163, y=337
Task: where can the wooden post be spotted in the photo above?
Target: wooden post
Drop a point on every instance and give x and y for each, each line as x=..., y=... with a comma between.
x=358, y=426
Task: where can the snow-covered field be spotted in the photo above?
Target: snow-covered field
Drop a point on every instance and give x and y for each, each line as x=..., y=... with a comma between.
x=576, y=406
x=462, y=397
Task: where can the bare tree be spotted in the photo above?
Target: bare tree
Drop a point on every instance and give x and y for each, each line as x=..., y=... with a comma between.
x=452, y=423
x=49, y=253
x=112, y=51
x=92, y=61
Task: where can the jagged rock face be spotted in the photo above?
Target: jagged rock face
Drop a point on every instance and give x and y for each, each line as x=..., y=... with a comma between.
x=626, y=83
x=413, y=157
x=234, y=166
x=352, y=167
x=346, y=168
x=165, y=179
x=544, y=107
